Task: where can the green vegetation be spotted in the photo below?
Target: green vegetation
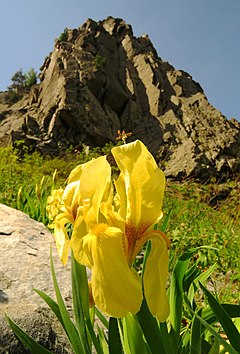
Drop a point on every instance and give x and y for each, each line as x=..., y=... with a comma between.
x=200, y=215
x=22, y=174
x=198, y=219
x=192, y=327
x=202, y=222
x=20, y=82
x=99, y=62
x=63, y=36
x=30, y=78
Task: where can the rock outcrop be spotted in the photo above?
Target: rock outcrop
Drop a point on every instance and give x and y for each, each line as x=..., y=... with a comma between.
x=25, y=264
x=101, y=78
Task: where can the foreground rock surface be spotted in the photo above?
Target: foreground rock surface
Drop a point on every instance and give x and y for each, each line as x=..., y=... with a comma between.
x=100, y=78
x=25, y=264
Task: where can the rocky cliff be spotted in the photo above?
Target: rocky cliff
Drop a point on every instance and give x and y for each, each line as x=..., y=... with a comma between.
x=100, y=78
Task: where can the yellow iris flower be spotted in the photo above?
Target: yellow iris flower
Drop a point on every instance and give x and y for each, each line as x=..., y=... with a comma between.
x=54, y=203
x=66, y=207
x=109, y=231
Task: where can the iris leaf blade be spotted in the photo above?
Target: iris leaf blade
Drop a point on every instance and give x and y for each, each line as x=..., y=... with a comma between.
x=80, y=301
x=52, y=304
x=223, y=317
x=70, y=328
x=227, y=346
x=150, y=329
x=134, y=336
x=114, y=339
x=195, y=338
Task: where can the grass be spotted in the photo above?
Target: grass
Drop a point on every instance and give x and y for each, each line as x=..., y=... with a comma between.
x=197, y=221
x=205, y=216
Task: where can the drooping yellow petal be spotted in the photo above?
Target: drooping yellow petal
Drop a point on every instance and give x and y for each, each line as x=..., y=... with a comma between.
x=155, y=278
x=116, y=290
x=61, y=237
x=76, y=243
x=140, y=185
x=95, y=179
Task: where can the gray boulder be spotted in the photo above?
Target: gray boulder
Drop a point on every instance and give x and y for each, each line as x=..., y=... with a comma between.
x=25, y=264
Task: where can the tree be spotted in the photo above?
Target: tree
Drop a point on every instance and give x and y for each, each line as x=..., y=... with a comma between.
x=63, y=36
x=18, y=82
x=30, y=78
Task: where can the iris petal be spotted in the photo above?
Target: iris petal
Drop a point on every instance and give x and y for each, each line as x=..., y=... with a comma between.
x=76, y=242
x=76, y=173
x=116, y=290
x=140, y=185
x=70, y=196
x=112, y=217
x=155, y=278
x=95, y=179
x=61, y=237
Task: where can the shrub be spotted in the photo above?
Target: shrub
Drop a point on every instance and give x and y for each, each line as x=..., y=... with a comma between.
x=99, y=62
x=30, y=78
x=63, y=36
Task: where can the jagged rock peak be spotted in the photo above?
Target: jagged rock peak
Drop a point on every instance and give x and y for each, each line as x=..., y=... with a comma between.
x=116, y=27
x=100, y=78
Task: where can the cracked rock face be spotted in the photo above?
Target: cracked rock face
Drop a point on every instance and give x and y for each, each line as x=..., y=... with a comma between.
x=25, y=264
x=102, y=78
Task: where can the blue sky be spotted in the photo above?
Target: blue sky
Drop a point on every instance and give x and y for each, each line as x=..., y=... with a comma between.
x=200, y=37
